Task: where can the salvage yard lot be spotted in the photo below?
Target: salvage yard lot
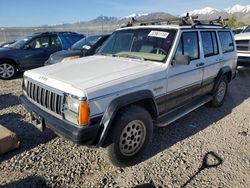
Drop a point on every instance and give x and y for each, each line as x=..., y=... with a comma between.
x=219, y=137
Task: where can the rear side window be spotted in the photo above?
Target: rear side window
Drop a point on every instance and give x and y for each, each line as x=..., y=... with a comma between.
x=189, y=45
x=226, y=41
x=55, y=41
x=209, y=43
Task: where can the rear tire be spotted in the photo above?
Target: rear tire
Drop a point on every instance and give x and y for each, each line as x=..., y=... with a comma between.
x=220, y=93
x=130, y=136
x=7, y=70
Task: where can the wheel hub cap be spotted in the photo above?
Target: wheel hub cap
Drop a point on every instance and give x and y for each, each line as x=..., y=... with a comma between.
x=6, y=70
x=221, y=91
x=132, y=138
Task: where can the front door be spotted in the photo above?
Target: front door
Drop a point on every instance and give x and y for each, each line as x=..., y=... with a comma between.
x=184, y=80
x=35, y=53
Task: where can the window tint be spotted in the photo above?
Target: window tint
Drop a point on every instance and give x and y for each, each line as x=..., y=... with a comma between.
x=41, y=42
x=189, y=45
x=55, y=41
x=210, y=44
x=226, y=41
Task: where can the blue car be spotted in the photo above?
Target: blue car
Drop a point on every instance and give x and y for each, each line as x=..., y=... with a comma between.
x=32, y=51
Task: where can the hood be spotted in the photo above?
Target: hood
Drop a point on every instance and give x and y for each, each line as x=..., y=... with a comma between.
x=242, y=36
x=92, y=71
x=60, y=55
x=66, y=53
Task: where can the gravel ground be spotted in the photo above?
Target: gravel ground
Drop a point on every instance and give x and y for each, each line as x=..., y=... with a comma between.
x=207, y=148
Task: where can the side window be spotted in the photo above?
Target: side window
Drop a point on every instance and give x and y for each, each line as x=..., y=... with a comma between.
x=55, y=41
x=226, y=41
x=188, y=45
x=41, y=42
x=209, y=43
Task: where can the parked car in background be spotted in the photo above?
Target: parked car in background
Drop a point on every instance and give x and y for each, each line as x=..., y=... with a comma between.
x=84, y=47
x=32, y=51
x=243, y=47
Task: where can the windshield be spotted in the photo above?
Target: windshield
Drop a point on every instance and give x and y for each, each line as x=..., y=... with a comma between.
x=146, y=44
x=247, y=29
x=86, y=43
x=19, y=43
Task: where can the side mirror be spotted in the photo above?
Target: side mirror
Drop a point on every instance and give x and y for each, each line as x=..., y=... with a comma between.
x=27, y=47
x=181, y=60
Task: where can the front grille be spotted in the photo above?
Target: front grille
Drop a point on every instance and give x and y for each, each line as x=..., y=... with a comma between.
x=44, y=97
x=243, y=45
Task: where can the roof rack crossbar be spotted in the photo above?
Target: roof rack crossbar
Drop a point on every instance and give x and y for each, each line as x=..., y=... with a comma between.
x=182, y=21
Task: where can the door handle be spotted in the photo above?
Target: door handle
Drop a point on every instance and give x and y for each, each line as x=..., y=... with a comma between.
x=200, y=64
x=219, y=59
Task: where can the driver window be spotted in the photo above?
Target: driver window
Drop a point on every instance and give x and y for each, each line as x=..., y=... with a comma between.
x=41, y=42
x=188, y=45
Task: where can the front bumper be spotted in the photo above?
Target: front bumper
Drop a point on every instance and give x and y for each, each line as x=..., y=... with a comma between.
x=80, y=135
x=243, y=59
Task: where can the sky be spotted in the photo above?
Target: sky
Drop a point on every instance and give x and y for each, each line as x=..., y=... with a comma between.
x=49, y=12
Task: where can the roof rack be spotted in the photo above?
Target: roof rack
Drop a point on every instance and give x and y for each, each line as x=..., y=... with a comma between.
x=182, y=21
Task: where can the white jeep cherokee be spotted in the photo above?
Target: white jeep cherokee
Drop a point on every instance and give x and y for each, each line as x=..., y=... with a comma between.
x=243, y=47
x=143, y=76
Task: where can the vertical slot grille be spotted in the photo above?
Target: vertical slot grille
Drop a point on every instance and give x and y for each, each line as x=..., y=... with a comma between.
x=44, y=97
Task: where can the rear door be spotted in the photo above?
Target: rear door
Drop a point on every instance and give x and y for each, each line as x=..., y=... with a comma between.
x=212, y=58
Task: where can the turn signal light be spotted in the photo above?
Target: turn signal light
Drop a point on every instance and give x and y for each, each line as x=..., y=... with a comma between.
x=83, y=116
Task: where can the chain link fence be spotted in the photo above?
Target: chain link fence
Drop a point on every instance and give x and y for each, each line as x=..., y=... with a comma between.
x=8, y=34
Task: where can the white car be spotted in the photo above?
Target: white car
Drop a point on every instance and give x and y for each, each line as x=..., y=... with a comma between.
x=143, y=76
x=243, y=47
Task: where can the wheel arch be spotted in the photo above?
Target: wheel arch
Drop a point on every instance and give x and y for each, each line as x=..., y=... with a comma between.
x=224, y=71
x=14, y=62
x=144, y=98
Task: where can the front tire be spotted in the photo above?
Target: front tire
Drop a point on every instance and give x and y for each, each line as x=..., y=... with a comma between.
x=220, y=93
x=130, y=136
x=7, y=70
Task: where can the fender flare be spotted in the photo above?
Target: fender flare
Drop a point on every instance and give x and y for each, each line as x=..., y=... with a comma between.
x=116, y=105
x=218, y=78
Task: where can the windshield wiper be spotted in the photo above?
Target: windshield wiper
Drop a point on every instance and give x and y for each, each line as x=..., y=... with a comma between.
x=128, y=56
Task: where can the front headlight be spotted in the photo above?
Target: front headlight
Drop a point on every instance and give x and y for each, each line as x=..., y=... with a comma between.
x=76, y=111
x=70, y=58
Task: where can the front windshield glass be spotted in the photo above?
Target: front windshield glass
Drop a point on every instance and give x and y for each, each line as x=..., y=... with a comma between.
x=19, y=43
x=147, y=44
x=86, y=43
x=247, y=29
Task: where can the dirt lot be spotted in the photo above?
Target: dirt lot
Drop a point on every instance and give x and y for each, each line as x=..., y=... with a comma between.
x=206, y=148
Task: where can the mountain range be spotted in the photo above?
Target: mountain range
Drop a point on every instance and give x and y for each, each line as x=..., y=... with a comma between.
x=241, y=13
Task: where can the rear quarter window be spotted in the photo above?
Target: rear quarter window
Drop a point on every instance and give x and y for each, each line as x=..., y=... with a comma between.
x=226, y=41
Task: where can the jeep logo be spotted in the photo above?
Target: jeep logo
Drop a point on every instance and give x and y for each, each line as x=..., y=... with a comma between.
x=42, y=78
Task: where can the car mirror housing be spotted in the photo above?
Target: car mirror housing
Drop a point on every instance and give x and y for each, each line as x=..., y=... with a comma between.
x=27, y=47
x=181, y=60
